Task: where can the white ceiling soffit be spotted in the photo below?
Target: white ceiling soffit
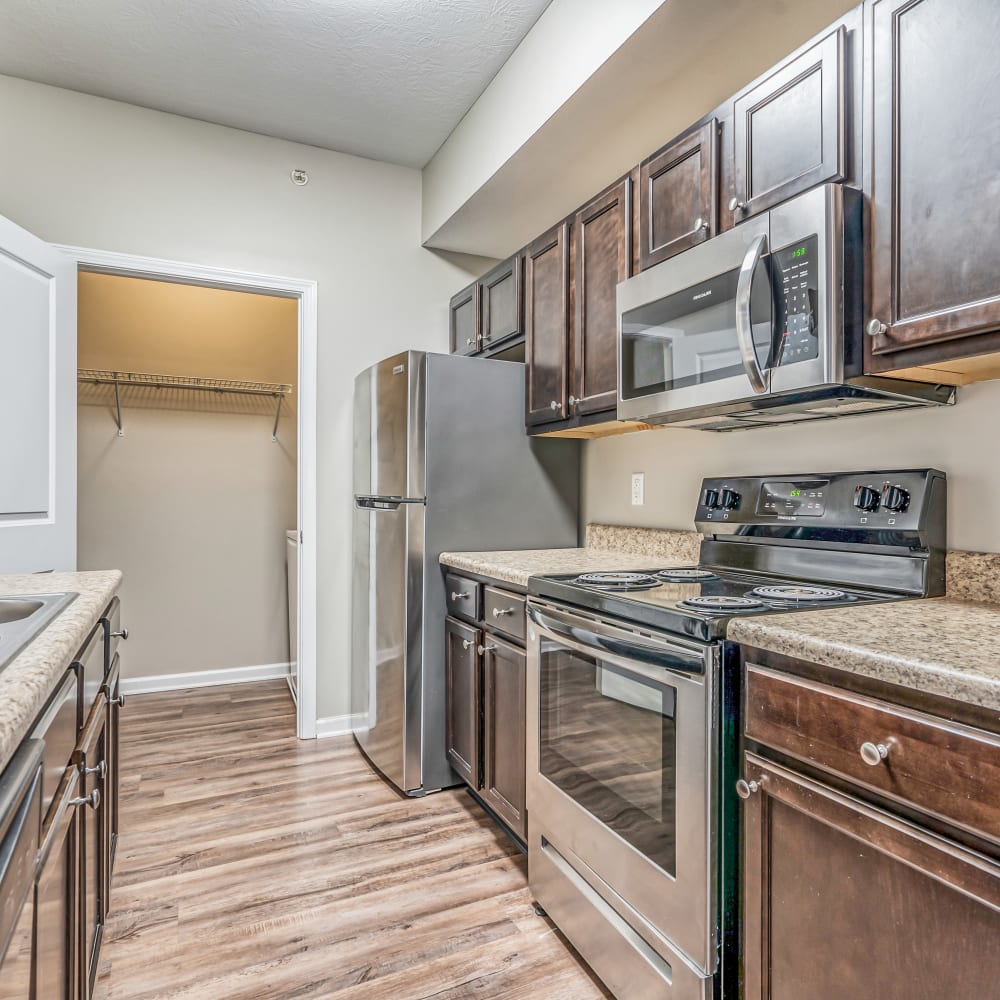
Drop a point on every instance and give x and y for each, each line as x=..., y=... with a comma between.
x=684, y=58
x=385, y=79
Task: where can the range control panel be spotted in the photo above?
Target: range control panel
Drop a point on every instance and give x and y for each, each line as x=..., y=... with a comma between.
x=901, y=501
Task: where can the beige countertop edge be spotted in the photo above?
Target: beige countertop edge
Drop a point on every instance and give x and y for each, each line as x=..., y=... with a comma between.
x=940, y=647
x=27, y=682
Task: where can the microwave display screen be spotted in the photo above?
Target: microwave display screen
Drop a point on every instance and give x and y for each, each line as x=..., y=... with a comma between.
x=793, y=271
x=800, y=499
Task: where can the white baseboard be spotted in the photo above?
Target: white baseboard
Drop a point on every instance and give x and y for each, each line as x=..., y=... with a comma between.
x=204, y=678
x=339, y=725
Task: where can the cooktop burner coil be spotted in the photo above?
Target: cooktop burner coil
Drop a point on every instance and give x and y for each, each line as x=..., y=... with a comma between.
x=618, y=581
x=798, y=593
x=686, y=575
x=722, y=603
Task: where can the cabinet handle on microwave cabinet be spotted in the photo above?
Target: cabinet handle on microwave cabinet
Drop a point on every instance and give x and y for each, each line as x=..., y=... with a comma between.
x=488, y=648
x=873, y=753
x=455, y=596
x=875, y=327
x=744, y=789
x=735, y=205
x=93, y=800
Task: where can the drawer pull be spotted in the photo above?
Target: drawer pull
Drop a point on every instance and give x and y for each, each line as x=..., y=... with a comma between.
x=744, y=789
x=123, y=634
x=101, y=769
x=500, y=612
x=459, y=597
x=93, y=800
x=488, y=648
x=119, y=701
x=874, y=753
x=467, y=643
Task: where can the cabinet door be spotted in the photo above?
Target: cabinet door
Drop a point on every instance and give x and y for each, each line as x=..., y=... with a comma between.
x=94, y=840
x=112, y=780
x=17, y=965
x=789, y=131
x=546, y=306
x=844, y=900
x=501, y=298
x=57, y=898
x=464, y=700
x=463, y=313
x=504, y=736
x=935, y=184
x=602, y=257
x=678, y=195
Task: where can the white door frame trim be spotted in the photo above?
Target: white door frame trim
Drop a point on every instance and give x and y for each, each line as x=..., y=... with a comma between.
x=134, y=266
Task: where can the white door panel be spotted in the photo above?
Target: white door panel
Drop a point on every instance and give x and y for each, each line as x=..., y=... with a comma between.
x=37, y=404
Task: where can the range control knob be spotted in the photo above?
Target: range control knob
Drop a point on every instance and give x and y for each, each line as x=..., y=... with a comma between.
x=711, y=499
x=867, y=499
x=729, y=500
x=895, y=499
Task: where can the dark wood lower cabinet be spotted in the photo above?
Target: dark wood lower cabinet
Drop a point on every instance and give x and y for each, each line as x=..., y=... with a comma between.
x=464, y=698
x=844, y=900
x=504, y=732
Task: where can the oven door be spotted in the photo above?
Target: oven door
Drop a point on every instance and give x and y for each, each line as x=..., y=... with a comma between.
x=621, y=768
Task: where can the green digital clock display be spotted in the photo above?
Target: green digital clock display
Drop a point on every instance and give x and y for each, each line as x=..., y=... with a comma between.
x=799, y=252
x=795, y=493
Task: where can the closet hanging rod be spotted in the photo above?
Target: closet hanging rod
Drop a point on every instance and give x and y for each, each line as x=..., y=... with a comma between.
x=243, y=387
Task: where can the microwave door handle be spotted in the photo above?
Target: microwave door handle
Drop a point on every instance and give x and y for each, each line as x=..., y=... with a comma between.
x=744, y=325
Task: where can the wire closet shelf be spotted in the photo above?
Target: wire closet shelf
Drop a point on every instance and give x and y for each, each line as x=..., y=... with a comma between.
x=242, y=387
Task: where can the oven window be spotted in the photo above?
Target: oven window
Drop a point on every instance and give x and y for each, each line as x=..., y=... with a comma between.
x=689, y=338
x=608, y=740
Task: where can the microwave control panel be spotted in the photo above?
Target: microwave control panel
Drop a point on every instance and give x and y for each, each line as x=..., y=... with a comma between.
x=793, y=270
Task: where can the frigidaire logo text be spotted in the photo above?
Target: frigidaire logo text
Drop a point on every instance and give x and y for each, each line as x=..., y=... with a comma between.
x=701, y=295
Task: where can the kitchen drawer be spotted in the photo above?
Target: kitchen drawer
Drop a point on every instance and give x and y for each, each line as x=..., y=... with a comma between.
x=89, y=666
x=942, y=768
x=503, y=612
x=465, y=597
x=58, y=727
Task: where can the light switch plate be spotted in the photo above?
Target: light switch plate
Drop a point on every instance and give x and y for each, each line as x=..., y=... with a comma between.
x=638, y=489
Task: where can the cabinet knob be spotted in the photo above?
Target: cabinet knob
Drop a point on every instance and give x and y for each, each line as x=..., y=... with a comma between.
x=122, y=634
x=468, y=342
x=458, y=597
x=500, y=612
x=467, y=643
x=119, y=701
x=93, y=800
x=554, y=405
x=101, y=769
x=876, y=327
x=488, y=648
x=744, y=789
x=874, y=753
x=573, y=401
x=700, y=223
x=735, y=205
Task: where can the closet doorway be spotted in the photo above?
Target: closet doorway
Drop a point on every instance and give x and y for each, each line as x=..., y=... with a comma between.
x=196, y=453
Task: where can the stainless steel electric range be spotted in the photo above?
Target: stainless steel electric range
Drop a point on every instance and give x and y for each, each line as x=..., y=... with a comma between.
x=633, y=711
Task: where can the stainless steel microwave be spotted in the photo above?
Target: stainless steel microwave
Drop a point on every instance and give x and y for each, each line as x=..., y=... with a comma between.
x=760, y=325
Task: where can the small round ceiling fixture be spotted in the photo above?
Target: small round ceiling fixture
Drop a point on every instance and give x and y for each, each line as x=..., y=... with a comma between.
x=300, y=177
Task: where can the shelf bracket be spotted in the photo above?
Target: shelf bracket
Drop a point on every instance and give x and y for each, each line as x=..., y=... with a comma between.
x=277, y=417
x=118, y=410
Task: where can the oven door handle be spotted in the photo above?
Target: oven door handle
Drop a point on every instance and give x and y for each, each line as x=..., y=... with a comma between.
x=657, y=654
x=744, y=324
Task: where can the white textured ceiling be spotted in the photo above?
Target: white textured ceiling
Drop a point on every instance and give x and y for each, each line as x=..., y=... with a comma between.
x=387, y=79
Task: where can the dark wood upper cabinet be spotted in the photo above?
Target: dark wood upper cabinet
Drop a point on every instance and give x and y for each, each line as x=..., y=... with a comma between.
x=547, y=319
x=790, y=129
x=844, y=900
x=501, y=298
x=678, y=195
x=504, y=732
x=602, y=257
x=935, y=174
x=464, y=696
x=463, y=312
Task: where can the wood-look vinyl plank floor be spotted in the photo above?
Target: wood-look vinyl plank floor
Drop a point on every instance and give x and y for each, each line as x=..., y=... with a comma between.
x=255, y=866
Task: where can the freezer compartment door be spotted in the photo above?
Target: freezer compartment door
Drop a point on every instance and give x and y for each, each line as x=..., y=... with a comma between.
x=387, y=633
x=389, y=428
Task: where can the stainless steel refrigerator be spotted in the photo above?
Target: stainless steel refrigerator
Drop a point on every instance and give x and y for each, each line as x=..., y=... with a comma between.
x=441, y=463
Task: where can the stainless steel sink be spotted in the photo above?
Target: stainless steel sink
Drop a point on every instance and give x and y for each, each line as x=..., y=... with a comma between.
x=23, y=616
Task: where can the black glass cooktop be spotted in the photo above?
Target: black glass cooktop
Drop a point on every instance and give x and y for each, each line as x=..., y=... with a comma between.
x=696, y=601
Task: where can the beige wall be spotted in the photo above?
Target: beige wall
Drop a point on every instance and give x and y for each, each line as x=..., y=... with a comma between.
x=192, y=504
x=959, y=440
x=96, y=173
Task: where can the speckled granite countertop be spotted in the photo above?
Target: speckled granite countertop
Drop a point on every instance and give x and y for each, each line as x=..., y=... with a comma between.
x=29, y=679
x=608, y=548
x=944, y=646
